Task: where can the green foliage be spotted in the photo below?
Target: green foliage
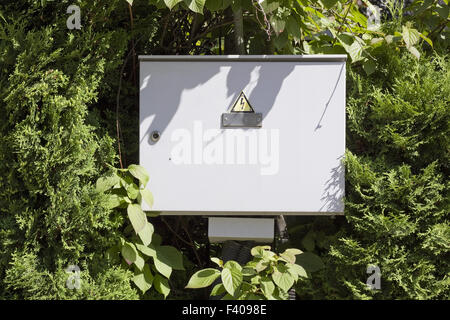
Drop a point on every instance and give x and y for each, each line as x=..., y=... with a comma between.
x=397, y=186
x=64, y=93
x=51, y=151
x=126, y=188
x=333, y=26
x=26, y=279
x=266, y=276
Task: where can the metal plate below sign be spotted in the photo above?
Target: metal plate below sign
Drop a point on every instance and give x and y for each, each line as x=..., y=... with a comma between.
x=242, y=229
x=242, y=119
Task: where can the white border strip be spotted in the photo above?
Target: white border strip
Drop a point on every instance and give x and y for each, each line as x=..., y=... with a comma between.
x=246, y=213
x=238, y=58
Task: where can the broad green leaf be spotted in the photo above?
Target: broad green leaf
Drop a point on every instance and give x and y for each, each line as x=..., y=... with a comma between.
x=244, y=290
x=137, y=217
x=410, y=36
x=162, y=267
x=355, y=50
x=281, y=40
x=144, y=279
x=216, y=5
x=161, y=285
x=345, y=39
x=147, y=196
x=233, y=265
x=156, y=241
x=170, y=256
x=218, y=290
x=328, y=3
x=369, y=66
x=203, y=278
x=280, y=294
x=195, y=5
x=228, y=297
x=217, y=261
x=106, y=183
x=269, y=6
x=129, y=252
x=283, y=278
x=428, y=40
x=139, y=172
x=258, y=251
x=376, y=42
x=114, y=201
x=290, y=258
x=248, y=272
x=139, y=262
x=307, y=48
x=152, y=214
x=253, y=296
x=442, y=10
x=261, y=265
x=293, y=251
x=213, y=5
x=256, y=280
x=309, y=261
x=131, y=188
x=414, y=51
x=358, y=17
x=268, y=288
x=171, y=3
x=131, y=255
x=147, y=250
x=146, y=234
x=277, y=24
x=389, y=38
x=308, y=241
x=289, y=255
x=293, y=27
x=297, y=271
x=231, y=276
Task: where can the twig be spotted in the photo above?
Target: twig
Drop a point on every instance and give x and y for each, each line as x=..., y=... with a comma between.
x=174, y=232
x=118, y=101
x=130, y=9
x=193, y=245
x=201, y=35
x=343, y=22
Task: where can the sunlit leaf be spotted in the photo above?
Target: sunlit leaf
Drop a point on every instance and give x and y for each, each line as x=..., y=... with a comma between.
x=195, y=5
x=140, y=173
x=137, y=217
x=161, y=285
x=144, y=280
x=203, y=278
x=171, y=3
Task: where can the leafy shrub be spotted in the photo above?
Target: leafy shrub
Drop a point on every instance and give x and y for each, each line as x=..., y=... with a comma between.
x=266, y=276
x=50, y=155
x=142, y=242
x=397, y=186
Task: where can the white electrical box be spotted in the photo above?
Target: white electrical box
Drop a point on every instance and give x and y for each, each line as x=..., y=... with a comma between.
x=243, y=135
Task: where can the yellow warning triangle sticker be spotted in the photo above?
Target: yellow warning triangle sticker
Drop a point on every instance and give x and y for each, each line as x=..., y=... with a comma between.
x=242, y=104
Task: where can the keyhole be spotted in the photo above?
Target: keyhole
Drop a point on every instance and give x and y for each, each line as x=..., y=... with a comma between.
x=155, y=135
